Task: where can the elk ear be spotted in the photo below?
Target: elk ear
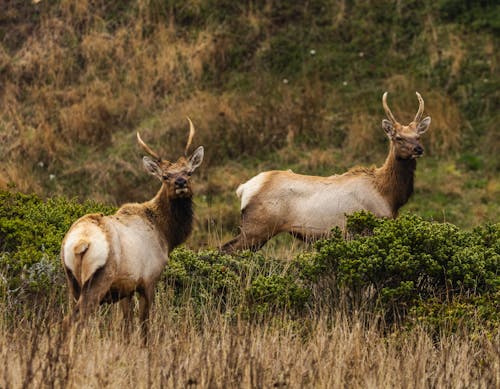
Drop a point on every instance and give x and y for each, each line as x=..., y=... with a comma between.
x=388, y=128
x=423, y=125
x=152, y=167
x=196, y=159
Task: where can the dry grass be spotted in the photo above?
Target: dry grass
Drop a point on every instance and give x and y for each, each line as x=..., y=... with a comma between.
x=361, y=134
x=323, y=351
x=78, y=82
x=444, y=136
x=444, y=45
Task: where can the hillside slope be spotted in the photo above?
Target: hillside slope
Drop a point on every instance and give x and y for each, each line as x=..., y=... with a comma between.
x=267, y=84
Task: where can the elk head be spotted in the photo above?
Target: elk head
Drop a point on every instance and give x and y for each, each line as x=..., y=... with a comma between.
x=173, y=175
x=406, y=139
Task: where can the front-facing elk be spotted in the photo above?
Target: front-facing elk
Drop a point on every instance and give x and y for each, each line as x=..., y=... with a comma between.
x=308, y=206
x=110, y=258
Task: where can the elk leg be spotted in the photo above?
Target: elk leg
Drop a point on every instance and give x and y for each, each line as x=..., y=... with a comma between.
x=146, y=298
x=243, y=242
x=91, y=294
x=73, y=286
x=253, y=236
x=127, y=309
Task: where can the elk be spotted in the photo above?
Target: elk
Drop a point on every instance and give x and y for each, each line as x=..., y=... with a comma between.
x=110, y=258
x=308, y=207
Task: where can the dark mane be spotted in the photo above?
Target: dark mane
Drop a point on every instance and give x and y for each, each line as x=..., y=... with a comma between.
x=181, y=213
x=395, y=181
x=174, y=218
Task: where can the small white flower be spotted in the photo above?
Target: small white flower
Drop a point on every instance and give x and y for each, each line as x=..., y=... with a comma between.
x=52, y=177
x=312, y=52
x=361, y=54
x=344, y=83
x=40, y=164
x=285, y=81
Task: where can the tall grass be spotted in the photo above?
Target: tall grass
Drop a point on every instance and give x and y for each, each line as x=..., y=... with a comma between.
x=324, y=349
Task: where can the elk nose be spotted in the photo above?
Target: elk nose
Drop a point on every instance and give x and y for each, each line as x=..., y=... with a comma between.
x=180, y=182
x=418, y=150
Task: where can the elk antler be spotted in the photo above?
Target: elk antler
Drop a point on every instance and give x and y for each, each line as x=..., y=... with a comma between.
x=190, y=137
x=146, y=148
x=387, y=110
x=420, y=108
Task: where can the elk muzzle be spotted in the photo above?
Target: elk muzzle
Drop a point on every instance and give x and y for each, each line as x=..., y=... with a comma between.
x=181, y=186
x=418, y=151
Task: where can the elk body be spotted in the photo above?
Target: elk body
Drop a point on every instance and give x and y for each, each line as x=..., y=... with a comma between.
x=308, y=207
x=110, y=258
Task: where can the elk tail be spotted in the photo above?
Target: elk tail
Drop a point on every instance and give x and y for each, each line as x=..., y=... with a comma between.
x=81, y=247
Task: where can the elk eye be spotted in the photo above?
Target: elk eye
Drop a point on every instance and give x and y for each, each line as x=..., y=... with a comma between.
x=398, y=138
x=189, y=173
x=166, y=176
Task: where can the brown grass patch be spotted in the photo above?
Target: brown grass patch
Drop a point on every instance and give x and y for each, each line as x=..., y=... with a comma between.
x=361, y=133
x=320, y=351
x=444, y=134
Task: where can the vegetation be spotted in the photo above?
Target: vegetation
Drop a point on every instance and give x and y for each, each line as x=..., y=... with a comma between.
x=412, y=279
x=398, y=267
x=410, y=302
x=395, y=267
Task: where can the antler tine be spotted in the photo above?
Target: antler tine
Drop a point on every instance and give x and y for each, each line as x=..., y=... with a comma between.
x=420, y=108
x=190, y=137
x=387, y=110
x=146, y=148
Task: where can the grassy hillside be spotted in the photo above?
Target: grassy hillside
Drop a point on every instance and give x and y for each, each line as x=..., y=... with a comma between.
x=267, y=84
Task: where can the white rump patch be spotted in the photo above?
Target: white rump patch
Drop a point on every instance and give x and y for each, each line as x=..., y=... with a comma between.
x=85, y=235
x=250, y=188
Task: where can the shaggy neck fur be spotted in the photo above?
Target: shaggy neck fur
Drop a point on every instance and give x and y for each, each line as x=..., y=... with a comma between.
x=394, y=180
x=174, y=217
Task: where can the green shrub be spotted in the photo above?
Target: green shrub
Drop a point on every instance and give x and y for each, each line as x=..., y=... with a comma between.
x=407, y=268
x=407, y=262
x=470, y=313
x=246, y=283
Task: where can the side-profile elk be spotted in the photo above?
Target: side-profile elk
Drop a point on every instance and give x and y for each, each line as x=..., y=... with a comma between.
x=308, y=206
x=110, y=258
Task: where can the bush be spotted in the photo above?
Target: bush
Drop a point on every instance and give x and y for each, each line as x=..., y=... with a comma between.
x=405, y=263
x=469, y=313
x=246, y=283
x=408, y=268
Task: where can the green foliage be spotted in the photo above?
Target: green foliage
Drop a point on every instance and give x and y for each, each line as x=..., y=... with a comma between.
x=31, y=231
x=408, y=261
x=360, y=224
x=409, y=268
x=245, y=283
x=472, y=313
